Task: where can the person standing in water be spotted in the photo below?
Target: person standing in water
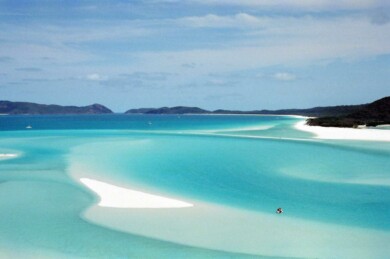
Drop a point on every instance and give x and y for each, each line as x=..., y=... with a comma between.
x=279, y=210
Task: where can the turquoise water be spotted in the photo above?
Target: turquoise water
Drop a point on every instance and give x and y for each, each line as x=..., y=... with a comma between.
x=253, y=164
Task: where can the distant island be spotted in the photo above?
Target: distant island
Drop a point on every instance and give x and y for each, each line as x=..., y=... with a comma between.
x=169, y=110
x=7, y=107
x=312, y=112
x=372, y=114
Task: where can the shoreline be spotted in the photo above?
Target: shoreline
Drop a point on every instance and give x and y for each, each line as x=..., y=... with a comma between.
x=366, y=134
x=234, y=114
x=163, y=114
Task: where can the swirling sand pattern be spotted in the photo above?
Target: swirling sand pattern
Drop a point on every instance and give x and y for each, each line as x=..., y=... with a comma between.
x=334, y=193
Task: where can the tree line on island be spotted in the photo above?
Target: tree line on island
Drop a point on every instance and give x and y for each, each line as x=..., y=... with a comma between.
x=372, y=114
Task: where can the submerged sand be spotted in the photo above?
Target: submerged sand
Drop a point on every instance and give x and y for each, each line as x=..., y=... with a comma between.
x=215, y=226
x=230, y=229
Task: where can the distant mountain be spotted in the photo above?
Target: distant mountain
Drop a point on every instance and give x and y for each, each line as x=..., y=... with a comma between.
x=312, y=112
x=319, y=111
x=7, y=107
x=140, y=111
x=168, y=110
x=372, y=114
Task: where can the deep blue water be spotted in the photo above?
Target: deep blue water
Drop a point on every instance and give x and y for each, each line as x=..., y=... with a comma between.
x=133, y=122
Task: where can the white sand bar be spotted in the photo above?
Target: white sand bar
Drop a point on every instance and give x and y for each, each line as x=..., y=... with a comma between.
x=345, y=133
x=7, y=155
x=232, y=229
x=118, y=197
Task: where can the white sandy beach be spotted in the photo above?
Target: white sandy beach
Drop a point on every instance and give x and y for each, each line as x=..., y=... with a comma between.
x=118, y=197
x=345, y=133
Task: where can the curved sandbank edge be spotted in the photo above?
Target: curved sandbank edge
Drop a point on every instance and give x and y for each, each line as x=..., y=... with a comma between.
x=118, y=197
x=344, y=133
x=7, y=155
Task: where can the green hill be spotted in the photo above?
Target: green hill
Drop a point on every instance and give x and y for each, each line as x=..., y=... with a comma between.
x=7, y=107
x=312, y=112
x=169, y=110
x=372, y=114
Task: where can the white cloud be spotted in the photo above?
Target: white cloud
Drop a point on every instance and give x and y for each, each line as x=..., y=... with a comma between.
x=283, y=76
x=27, y=53
x=89, y=31
x=96, y=77
x=262, y=41
x=300, y=4
x=212, y=20
x=282, y=41
x=217, y=82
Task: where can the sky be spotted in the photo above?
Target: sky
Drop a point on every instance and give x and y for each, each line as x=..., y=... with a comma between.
x=213, y=54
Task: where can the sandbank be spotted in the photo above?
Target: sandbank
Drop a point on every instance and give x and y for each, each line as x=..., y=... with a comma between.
x=345, y=133
x=118, y=197
x=214, y=226
x=7, y=155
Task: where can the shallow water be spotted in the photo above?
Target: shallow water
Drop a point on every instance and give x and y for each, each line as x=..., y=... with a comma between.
x=240, y=168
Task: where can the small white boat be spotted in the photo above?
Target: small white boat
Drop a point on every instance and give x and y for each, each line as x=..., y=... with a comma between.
x=29, y=127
